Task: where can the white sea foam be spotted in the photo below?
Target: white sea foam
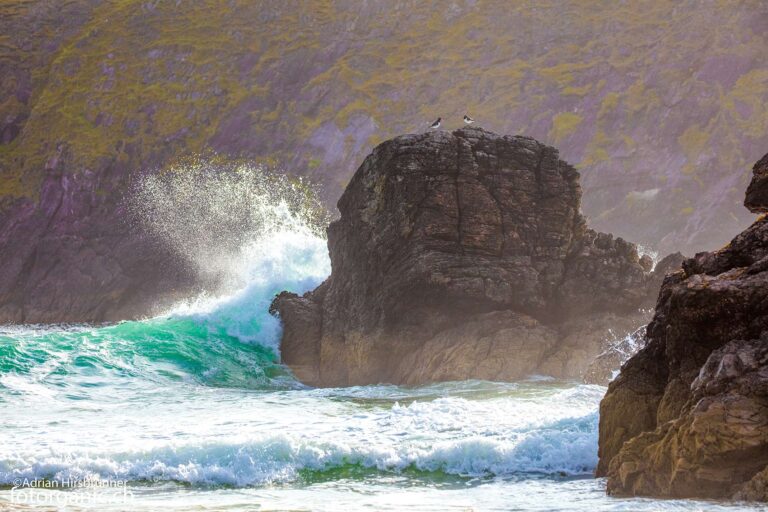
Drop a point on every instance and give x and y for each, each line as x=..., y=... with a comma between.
x=294, y=260
x=499, y=431
x=564, y=448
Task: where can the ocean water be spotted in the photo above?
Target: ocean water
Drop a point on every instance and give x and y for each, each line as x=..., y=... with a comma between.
x=192, y=410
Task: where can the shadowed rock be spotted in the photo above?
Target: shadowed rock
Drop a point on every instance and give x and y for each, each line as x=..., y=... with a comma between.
x=463, y=255
x=72, y=255
x=757, y=192
x=688, y=415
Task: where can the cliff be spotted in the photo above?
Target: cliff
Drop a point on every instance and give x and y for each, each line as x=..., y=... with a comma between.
x=688, y=415
x=653, y=102
x=463, y=255
x=74, y=256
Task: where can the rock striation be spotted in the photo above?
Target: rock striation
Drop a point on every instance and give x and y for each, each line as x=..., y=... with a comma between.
x=463, y=255
x=688, y=415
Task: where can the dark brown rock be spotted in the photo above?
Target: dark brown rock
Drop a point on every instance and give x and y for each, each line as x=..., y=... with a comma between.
x=757, y=192
x=688, y=415
x=463, y=255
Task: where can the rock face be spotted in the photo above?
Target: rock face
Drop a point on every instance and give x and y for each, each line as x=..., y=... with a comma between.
x=462, y=255
x=688, y=415
x=73, y=256
x=757, y=192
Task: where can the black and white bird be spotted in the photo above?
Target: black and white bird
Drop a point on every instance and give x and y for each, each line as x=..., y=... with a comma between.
x=436, y=124
x=468, y=120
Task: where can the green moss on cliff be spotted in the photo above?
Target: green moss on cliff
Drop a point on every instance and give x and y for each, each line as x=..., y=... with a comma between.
x=140, y=82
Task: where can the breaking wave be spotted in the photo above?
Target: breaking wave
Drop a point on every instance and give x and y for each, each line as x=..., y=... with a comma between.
x=550, y=432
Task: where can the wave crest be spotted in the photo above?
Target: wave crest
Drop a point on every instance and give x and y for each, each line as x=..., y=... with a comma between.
x=565, y=447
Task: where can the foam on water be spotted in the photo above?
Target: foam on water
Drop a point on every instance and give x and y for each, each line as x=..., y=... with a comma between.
x=495, y=430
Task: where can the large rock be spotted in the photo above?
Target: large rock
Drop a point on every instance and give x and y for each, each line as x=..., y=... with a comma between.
x=688, y=415
x=463, y=255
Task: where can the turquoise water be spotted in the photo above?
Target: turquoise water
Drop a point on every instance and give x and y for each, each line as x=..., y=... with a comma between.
x=192, y=410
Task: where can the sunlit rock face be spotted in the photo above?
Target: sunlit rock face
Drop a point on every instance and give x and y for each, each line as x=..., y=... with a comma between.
x=688, y=415
x=463, y=255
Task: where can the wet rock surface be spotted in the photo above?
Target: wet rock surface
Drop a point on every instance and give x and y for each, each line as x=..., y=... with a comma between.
x=463, y=255
x=688, y=415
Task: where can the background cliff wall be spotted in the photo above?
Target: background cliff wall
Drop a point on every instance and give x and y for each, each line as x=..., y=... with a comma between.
x=660, y=105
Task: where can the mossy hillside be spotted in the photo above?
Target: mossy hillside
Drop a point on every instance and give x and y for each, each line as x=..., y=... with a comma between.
x=312, y=89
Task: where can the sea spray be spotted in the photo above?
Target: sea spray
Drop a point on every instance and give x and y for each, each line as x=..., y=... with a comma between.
x=220, y=218
x=645, y=250
x=259, y=232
